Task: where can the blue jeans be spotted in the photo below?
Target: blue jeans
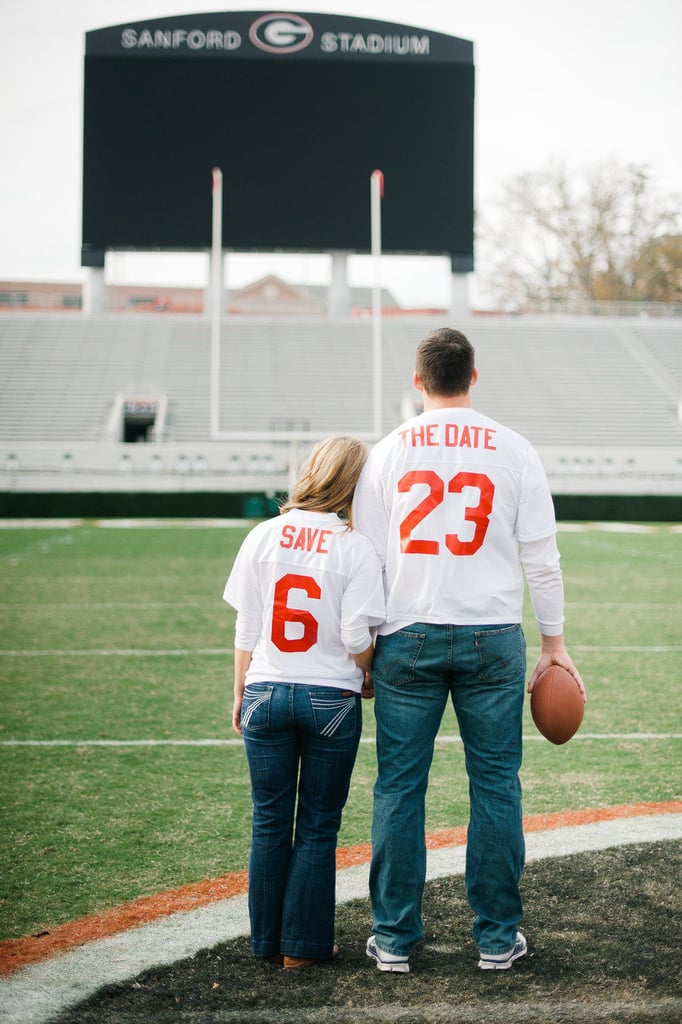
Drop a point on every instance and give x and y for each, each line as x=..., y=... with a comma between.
x=482, y=668
x=300, y=741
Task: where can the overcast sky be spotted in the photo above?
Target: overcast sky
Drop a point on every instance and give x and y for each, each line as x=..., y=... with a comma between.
x=578, y=81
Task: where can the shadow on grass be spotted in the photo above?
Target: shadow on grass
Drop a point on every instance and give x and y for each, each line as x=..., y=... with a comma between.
x=603, y=935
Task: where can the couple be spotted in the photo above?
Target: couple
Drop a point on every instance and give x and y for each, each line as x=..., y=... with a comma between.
x=425, y=542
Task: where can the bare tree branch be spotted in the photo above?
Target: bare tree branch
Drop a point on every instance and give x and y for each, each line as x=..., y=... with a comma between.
x=551, y=235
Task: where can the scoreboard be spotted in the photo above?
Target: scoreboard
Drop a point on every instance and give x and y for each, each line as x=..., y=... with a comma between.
x=297, y=110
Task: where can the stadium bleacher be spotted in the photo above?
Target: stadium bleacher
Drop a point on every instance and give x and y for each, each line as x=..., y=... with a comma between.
x=599, y=397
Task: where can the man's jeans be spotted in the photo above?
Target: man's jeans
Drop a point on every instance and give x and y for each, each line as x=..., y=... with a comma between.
x=290, y=729
x=483, y=669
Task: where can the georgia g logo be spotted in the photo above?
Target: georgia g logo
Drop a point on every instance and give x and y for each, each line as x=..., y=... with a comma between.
x=281, y=33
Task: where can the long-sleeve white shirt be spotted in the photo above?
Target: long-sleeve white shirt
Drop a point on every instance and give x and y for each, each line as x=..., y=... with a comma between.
x=458, y=507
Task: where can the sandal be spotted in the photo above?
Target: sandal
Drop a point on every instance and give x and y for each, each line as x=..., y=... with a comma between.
x=295, y=963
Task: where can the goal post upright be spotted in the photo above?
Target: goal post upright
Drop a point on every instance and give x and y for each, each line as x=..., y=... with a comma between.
x=216, y=300
x=376, y=195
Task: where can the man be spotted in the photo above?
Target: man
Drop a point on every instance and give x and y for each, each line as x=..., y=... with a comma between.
x=459, y=510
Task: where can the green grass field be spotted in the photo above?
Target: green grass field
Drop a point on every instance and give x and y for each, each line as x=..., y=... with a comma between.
x=121, y=635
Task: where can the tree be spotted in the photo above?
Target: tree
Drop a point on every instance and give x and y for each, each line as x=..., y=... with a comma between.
x=608, y=236
x=659, y=269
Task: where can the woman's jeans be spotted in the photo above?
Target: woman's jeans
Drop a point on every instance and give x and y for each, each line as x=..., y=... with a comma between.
x=482, y=668
x=300, y=740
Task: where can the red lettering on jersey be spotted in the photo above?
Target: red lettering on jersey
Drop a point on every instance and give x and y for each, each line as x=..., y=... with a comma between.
x=287, y=536
x=451, y=435
x=454, y=436
x=425, y=436
x=307, y=539
x=469, y=437
x=323, y=540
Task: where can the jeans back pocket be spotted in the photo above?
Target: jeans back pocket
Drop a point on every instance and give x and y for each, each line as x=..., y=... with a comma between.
x=335, y=712
x=396, y=655
x=256, y=707
x=502, y=653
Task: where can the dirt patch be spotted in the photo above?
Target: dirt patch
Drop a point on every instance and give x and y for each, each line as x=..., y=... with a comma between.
x=603, y=937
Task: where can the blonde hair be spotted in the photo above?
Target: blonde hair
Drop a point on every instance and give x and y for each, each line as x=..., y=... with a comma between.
x=328, y=478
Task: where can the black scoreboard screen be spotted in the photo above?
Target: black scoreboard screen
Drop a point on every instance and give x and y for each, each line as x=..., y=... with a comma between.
x=297, y=111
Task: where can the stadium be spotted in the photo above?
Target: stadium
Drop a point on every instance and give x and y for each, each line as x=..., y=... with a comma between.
x=127, y=194
x=104, y=412
x=143, y=432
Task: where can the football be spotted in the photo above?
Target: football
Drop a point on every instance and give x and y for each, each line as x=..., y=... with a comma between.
x=557, y=705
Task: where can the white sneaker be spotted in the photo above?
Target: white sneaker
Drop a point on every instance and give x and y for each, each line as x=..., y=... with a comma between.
x=387, y=961
x=503, y=961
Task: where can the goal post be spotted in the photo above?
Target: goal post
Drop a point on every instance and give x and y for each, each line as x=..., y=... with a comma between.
x=216, y=299
x=216, y=291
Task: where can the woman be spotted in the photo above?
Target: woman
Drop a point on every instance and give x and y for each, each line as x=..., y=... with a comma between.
x=307, y=589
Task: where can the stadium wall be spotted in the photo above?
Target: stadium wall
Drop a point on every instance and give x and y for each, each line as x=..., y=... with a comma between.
x=93, y=505
x=246, y=479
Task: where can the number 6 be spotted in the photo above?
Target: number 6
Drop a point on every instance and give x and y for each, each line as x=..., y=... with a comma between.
x=282, y=613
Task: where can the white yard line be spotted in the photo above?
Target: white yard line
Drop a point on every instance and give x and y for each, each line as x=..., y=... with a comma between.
x=39, y=992
x=137, y=524
x=213, y=652
x=122, y=524
x=230, y=742
x=132, y=652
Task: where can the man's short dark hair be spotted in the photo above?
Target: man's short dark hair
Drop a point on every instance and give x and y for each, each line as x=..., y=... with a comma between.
x=445, y=362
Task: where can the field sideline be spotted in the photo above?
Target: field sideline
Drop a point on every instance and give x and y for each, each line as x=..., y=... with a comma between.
x=104, y=951
x=123, y=779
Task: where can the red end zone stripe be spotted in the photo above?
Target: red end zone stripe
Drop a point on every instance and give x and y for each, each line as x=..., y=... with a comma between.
x=17, y=953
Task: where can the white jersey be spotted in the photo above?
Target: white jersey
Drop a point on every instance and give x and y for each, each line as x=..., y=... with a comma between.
x=449, y=499
x=307, y=590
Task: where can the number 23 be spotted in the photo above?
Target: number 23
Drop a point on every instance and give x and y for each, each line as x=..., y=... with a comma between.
x=478, y=514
